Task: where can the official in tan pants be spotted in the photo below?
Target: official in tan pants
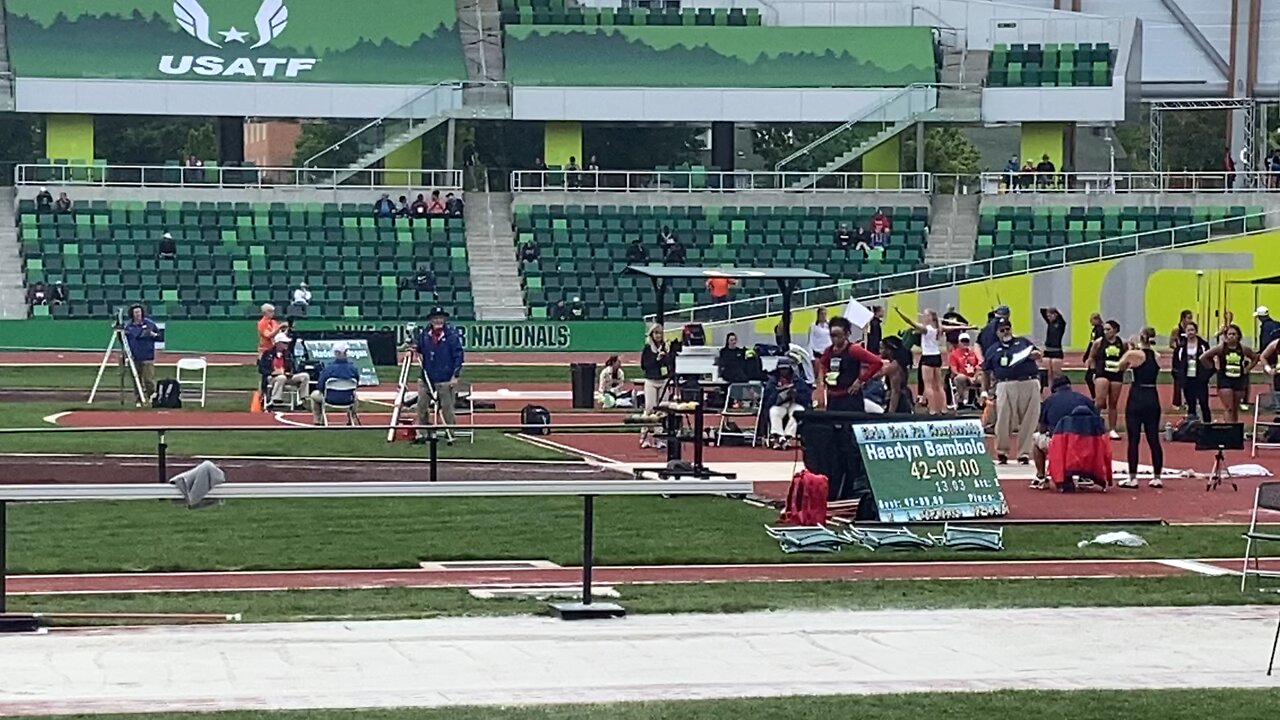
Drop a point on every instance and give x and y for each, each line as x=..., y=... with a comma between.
x=147, y=376
x=1014, y=363
x=277, y=383
x=445, y=395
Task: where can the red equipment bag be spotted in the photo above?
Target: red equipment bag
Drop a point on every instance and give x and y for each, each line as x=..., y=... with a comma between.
x=806, y=500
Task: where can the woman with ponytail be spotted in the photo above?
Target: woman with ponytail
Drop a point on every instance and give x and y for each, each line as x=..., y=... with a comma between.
x=1142, y=414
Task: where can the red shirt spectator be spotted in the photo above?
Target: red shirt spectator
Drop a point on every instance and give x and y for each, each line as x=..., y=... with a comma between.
x=964, y=361
x=880, y=223
x=851, y=362
x=719, y=287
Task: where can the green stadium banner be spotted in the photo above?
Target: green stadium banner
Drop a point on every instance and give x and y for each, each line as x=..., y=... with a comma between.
x=728, y=57
x=241, y=335
x=383, y=42
x=357, y=353
x=930, y=470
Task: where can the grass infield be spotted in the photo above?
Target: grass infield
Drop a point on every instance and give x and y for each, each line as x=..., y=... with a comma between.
x=1076, y=705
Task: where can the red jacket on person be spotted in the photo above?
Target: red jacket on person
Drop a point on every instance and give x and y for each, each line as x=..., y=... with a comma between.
x=1080, y=447
x=867, y=362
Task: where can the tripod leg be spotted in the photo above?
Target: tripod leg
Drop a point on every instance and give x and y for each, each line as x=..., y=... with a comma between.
x=401, y=388
x=1274, y=644
x=102, y=367
x=133, y=368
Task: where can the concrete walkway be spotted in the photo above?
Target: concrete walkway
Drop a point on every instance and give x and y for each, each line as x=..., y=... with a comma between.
x=537, y=660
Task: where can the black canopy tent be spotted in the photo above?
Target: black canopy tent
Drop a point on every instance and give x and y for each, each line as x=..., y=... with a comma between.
x=788, y=279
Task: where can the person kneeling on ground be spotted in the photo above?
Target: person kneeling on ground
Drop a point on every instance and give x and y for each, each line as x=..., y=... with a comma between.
x=613, y=389
x=278, y=370
x=784, y=394
x=340, y=369
x=1061, y=402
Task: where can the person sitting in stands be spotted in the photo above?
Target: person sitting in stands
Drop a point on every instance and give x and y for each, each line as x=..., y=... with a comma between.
x=168, y=249
x=453, y=205
x=402, y=207
x=62, y=206
x=844, y=237
x=529, y=252
x=384, y=207
x=44, y=201
x=419, y=207
x=435, y=206
x=340, y=369
x=613, y=389
x=636, y=253
x=278, y=370
x=880, y=227
x=675, y=253
x=58, y=295
x=577, y=309
x=37, y=294
x=559, y=311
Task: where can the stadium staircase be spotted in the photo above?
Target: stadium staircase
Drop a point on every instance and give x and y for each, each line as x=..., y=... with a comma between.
x=480, y=25
x=6, y=75
x=495, y=272
x=959, y=100
x=953, y=229
x=13, y=298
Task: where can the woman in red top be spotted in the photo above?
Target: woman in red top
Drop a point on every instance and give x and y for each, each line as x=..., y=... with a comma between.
x=845, y=367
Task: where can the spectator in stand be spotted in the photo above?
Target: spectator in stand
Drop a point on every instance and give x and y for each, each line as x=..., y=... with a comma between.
x=58, y=295
x=1228, y=169
x=675, y=253
x=844, y=237
x=593, y=173
x=529, y=252
x=577, y=309
x=340, y=369
x=1273, y=165
x=424, y=281
x=1028, y=175
x=419, y=207
x=37, y=295
x=965, y=364
x=63, y=205
x=880, y=227
x=168, y=249
x=44, y=201
x=141, y=333
x=301, y=299
x=402, y=207
x=636, y=253
x=1045, y=172
x=559, y=311
x=1011, y=174
x=384, y=207
x=573, y=173
x=268, y=327
x=435, y=206
x=666, y=238
x=453, y=205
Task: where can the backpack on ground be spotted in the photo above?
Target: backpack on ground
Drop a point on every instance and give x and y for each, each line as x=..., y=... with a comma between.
x=536, y=420
x=806, y=500
x=168, y=394
x=1187, y=430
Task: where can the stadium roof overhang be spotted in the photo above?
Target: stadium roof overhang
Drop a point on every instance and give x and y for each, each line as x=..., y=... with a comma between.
x=787, y=279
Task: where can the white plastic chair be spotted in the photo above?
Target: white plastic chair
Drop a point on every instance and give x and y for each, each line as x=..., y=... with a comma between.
x=339, y=384
x=198, y=367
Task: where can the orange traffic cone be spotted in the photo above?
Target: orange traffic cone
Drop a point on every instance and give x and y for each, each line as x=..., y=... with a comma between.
x=255, y=405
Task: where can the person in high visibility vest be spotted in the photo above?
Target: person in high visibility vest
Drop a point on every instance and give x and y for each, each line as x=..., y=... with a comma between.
x=1233, y=361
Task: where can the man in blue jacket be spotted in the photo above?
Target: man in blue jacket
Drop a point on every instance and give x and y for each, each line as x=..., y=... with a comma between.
x=339, y=369
x=141, y=333
x=439, y=346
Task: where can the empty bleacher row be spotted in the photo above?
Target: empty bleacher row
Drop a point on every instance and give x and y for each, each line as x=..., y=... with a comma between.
x=231, y=257
x=1006, y=230
x=583, y=248
x=1051, y=65
x=558, y=12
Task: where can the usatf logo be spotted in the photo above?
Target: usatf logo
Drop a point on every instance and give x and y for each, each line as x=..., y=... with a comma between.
x=270, y=21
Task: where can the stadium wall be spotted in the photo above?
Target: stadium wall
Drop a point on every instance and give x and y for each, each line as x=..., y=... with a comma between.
x=199, y=336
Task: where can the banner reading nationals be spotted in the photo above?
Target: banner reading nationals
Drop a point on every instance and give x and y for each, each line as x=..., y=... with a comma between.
x=533, y=336
x=930, y=470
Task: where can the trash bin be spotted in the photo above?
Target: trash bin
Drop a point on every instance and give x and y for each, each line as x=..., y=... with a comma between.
x=583, y=377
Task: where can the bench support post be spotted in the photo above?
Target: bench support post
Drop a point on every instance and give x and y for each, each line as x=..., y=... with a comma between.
x=587, y=609
x=10, y=623
x=162, y=458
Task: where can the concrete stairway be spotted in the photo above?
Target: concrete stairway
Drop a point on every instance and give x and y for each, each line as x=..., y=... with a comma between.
x=13, y=294
x=953, y=229
x=480, y=26
x=6, y=74
x=491, y=253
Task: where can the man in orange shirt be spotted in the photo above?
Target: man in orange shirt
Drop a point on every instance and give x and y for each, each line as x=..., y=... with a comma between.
x=267, y=328
x=965, y=364
x=718, y=287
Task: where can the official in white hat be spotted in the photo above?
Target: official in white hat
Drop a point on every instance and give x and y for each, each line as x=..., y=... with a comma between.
x=279, y=371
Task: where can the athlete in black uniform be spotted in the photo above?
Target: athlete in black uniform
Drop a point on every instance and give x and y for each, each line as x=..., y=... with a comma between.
x=1195, y=377
x=1095, y=333
x=1142, y=413
x=1056, y=328
x=1233, y=360
x=1104, y=356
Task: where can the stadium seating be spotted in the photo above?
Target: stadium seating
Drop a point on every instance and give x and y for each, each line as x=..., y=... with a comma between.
x=557, y=12
x=1005, y=231
x=234, y=256
x=1051, y=65
x=583, y=248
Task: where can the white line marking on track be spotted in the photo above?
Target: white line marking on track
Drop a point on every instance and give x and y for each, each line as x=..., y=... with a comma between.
x=54, y=418
x=1199, y=568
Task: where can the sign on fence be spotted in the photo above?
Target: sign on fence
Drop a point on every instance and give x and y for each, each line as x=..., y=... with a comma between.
x=357, y=353
x=930, y=470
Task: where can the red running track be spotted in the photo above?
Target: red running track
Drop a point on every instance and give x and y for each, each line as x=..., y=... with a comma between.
x=470, y=578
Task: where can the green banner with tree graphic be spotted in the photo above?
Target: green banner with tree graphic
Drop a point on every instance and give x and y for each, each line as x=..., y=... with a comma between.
x=757, y=57
x=390, y=42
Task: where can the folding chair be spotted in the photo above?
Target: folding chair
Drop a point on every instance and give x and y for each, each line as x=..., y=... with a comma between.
x=339, y=384
x=197, y=367
x=741, y=400
x=1265, y=412
x=1266, y=498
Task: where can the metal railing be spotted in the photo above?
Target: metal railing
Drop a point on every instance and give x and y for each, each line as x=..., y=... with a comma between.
x=231, y=177
x=426, y=107
x=948, y=275
x=1129, y=182
x=701, y=181
x=901, y=106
